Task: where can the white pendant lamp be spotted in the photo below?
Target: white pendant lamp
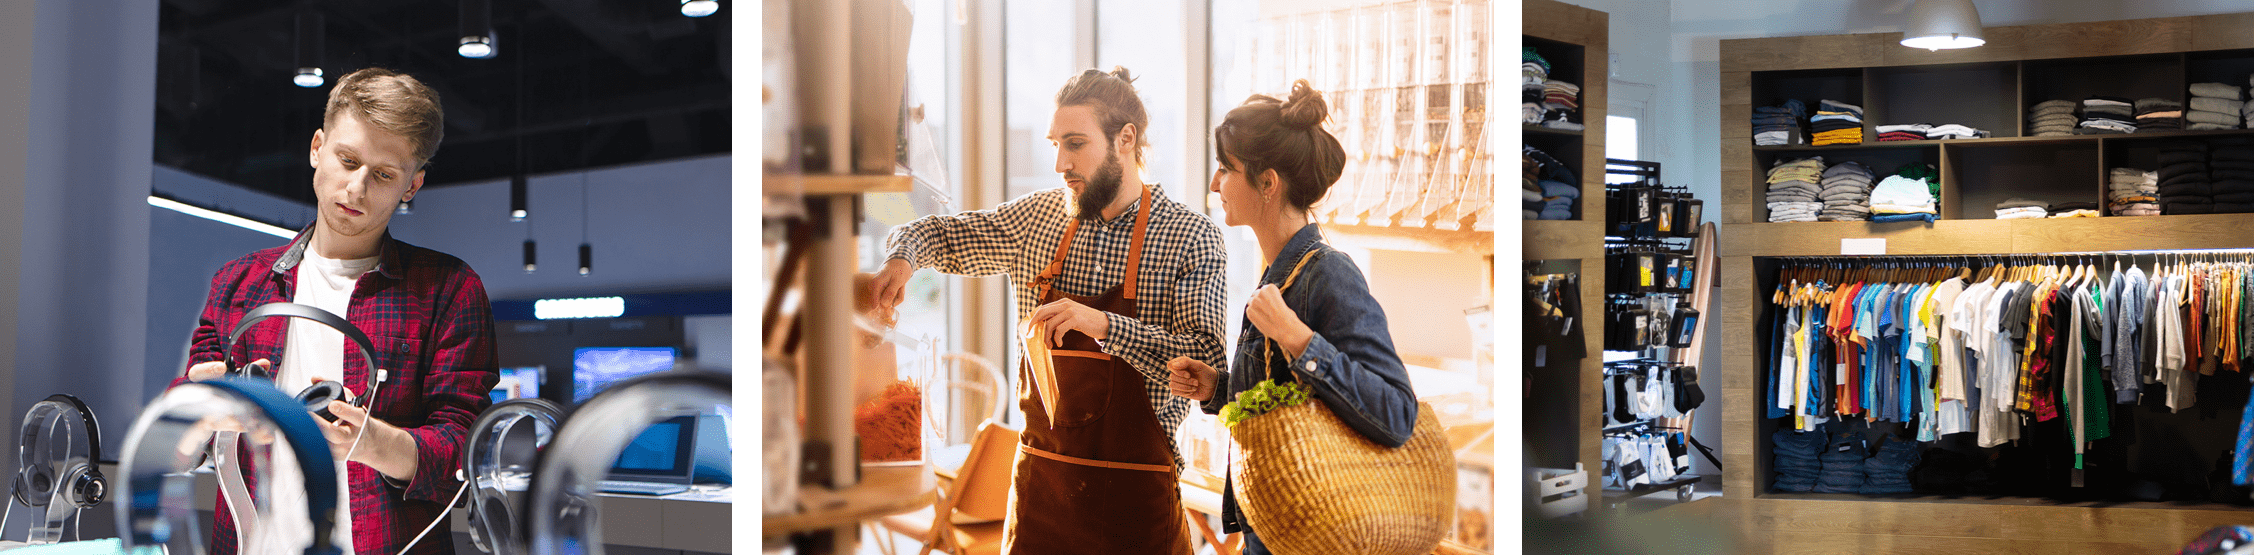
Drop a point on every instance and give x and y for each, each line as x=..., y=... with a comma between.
x=1943, y=24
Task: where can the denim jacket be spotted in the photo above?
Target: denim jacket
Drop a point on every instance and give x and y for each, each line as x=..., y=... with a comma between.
x=1349, y=363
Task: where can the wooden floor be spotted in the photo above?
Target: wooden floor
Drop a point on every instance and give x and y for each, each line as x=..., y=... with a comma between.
x=1798, y=526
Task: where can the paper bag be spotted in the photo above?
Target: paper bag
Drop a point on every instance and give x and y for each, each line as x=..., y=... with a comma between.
x=1036, y=349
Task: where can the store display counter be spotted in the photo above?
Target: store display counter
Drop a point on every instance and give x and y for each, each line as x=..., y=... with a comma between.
x=695, y=521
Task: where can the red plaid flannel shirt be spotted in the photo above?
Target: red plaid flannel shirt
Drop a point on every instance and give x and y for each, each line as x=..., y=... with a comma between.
x=432, y=326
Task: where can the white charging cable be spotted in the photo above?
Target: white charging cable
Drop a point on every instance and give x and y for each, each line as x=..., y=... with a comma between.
x=370, y=413
x=442, y=512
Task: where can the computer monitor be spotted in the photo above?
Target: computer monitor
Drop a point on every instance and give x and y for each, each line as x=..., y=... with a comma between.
x=518, y=383
x=596, y=368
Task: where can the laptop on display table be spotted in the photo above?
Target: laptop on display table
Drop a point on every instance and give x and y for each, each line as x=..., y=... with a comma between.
x=661, y=461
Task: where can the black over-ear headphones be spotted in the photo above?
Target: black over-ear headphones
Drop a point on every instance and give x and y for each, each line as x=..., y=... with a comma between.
x=316, y=398
x=494, y=527
x=81, y=481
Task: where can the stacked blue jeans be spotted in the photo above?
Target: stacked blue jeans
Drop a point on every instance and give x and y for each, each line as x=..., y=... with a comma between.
x=1796, y=463
x=1842, y=460
x=1889, y=470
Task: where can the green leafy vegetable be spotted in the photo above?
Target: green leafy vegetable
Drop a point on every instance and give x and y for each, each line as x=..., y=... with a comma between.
x=1263, y=398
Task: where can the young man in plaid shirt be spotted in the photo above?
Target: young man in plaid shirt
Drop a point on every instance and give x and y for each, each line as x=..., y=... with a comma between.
x=1121, y=279
x=426, y=312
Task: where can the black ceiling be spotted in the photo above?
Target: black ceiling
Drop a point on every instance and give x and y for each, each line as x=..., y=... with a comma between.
x=580, y=83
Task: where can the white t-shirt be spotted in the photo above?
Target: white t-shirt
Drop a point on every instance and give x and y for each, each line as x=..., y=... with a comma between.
x=313, y=351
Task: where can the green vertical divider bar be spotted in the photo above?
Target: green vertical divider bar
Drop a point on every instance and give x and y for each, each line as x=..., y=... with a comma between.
x=744, y=136
x=1509, y=312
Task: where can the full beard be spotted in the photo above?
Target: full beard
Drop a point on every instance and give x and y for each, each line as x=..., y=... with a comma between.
x=1098, y=190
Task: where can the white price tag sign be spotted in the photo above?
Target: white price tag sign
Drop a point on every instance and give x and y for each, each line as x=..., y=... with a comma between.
x=1862, y=246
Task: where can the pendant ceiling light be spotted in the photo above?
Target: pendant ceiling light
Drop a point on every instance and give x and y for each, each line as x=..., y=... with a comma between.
x=1942, y=24
x=308, y=51
x=477, y=30
x=699, y=8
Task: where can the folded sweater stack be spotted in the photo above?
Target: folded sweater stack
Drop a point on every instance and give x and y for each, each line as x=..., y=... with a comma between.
x=1533, y=71
x=2107, y=115
x=1561, y=105
x=2214, y=106
x=2052, y=118
x=1793, y=193
x=2133, y=192
x=2016, y=208
x=1837, y=123
x=2230, y=164
x=2183, y=184
x=1780, y=124
x=1923, y=131
x=1904, y=132
x=1845, y=192
x=2159, y=114
x=2073, y=210
x=1550, y=187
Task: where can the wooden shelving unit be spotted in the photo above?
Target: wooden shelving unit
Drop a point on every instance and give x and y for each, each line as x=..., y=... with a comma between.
x=2020, y=66
x=1575, y=41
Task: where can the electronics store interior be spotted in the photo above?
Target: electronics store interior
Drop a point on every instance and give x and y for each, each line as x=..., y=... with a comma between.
x=425, y=276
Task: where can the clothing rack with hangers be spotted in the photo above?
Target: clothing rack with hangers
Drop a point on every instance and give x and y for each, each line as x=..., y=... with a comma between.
x=2103, y=375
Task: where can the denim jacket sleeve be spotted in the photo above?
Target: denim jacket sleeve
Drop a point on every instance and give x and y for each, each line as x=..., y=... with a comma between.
x=1350, y=361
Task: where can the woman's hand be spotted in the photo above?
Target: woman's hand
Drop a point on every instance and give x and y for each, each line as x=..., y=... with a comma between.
x=1273, y=318
x=1191, y=378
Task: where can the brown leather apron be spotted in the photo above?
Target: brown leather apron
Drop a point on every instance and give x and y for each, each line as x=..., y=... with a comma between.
x=1098, y=476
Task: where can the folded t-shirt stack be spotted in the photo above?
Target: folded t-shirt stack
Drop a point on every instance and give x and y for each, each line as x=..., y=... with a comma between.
x=2159, y=114
x=2230, y=164
x=2107, y=115
x=2052, y=118
x=1904, y=196
x=1780, y=124
x=1955, y=131
x=1793, y=192
x=2214, y=106
x=1845, y=192
x=1837, y=123
x=1905, y=132
x=2073, y=210
x=1533, y=71
x=2183, y=185
x=2133, y=192
x=2016, y=208
x=1561, y=105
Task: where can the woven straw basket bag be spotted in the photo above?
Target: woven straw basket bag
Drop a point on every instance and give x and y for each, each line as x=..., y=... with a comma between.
x=1310, y=485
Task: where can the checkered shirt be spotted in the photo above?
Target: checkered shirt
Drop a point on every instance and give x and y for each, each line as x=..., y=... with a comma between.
x=1182, y=292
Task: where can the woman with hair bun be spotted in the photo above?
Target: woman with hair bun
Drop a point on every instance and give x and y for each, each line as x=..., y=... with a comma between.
x=1326, y=331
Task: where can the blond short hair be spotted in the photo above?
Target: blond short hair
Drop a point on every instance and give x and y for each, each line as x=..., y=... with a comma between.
x=393, y=102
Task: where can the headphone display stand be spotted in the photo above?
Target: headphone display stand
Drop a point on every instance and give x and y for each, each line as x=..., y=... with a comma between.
x=51, y=472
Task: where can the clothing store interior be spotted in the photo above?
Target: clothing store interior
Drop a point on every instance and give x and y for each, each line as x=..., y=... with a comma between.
x=533, y=311
x=907, y=275
x=1961, y=275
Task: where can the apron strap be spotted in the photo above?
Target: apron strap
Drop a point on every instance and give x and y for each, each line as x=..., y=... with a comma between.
x=1135, y=249
x=1056, y=263
x=1082, y=354
x=1068, y=459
